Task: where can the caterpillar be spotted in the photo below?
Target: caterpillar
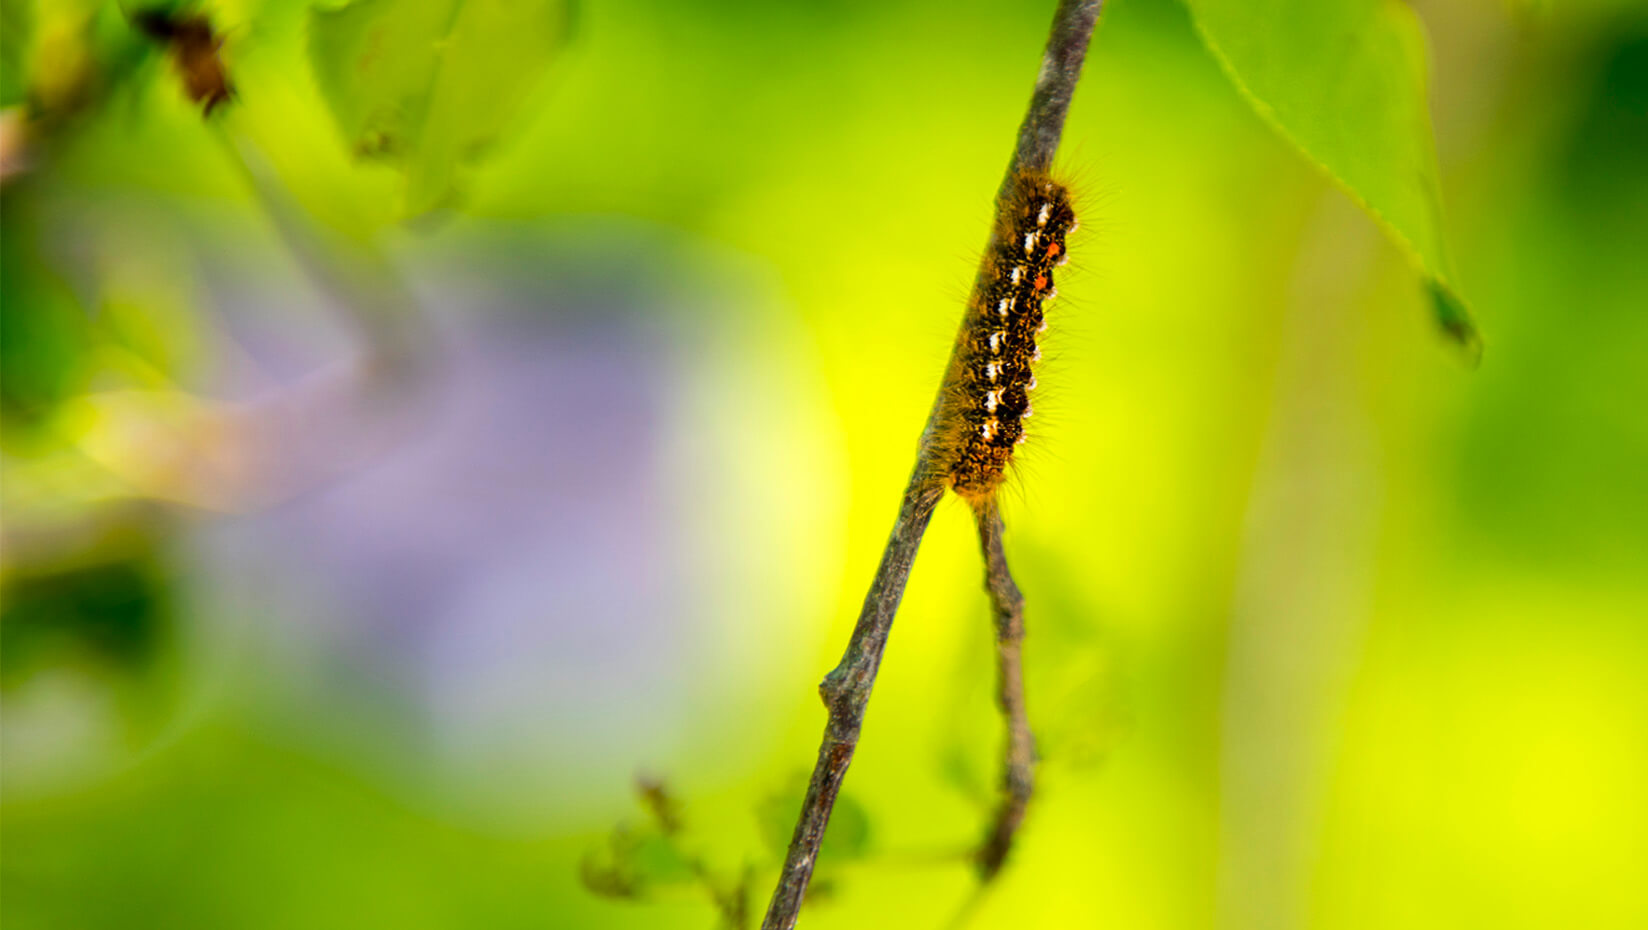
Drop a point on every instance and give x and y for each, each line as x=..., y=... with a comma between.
x=992, y=372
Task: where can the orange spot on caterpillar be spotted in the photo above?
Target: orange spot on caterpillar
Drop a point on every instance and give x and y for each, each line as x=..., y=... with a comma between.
x=987, y=390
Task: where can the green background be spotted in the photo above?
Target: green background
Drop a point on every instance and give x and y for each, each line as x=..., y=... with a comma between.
x=1326, y=627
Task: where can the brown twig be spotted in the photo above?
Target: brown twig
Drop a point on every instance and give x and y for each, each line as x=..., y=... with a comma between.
x=1061, y=66
x=846, y=690
x=1019, y=756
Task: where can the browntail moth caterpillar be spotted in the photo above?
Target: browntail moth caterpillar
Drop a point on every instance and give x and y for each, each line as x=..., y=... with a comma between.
x=988, y=387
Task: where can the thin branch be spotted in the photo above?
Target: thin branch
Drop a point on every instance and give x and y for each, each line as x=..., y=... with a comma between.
x=1019, y=755
x=846, y=690
x=1061, y=66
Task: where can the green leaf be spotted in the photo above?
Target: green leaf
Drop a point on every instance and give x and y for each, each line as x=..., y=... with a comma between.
x=775, y=816
x=427, y=85
x=16, y=34
x=848, y=835
x=1345, y=82
x=961, y=771
x=659, y=862
x=47, y=335
x=846, y=838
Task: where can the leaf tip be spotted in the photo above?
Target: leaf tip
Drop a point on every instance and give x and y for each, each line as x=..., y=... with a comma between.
x=1455, y=319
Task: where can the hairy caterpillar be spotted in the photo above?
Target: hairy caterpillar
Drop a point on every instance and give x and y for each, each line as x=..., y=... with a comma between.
x=992, y=373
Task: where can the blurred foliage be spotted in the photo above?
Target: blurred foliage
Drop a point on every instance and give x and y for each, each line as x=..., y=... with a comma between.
x=427, y=84
x=1347, y=83
x=113, y=612
x=16, y=26
x=847, y=838
x=740, y=233
x=45, y=329
x=637, y=864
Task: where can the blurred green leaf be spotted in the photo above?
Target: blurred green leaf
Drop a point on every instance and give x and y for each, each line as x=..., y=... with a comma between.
x=112, y=612
x=610, y=871
x=776, y=816
x=16, y=34
x=961, y=770
x=848, y=836
x=427, y=85
x=633, y=862
x=46, y=332
x=1345, y=82
x=657, y=861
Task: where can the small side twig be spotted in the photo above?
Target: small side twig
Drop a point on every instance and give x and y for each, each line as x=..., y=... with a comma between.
x=846, y=690
x=621, y=875
x=731, y=900
x=1019, y=756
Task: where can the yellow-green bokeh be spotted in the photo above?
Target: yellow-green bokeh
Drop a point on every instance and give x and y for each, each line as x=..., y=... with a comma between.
x=1326, y=628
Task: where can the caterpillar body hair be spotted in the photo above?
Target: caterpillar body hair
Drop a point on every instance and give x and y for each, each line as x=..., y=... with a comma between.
x=987, y=390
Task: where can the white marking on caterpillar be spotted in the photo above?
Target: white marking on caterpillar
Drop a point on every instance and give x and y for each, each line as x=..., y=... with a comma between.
x=1036, y=355
x=1029, y=242
x=991, y=370
x=1043, y=327
x=1027, y=411
x=995, y=342
x=1017, y=274
x=992, y=399
x=987, y=429
x=1052, y=292
x=1032, y=385
x=1041, y=218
